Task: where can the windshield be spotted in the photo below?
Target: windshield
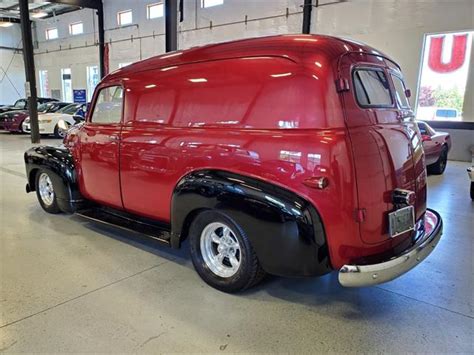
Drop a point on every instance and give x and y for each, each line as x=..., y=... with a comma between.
x=69, y=109
x=45, y=107
x=20, y=103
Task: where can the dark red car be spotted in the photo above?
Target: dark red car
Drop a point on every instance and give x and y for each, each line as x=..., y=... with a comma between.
x=292, y=155
x=436, y=146
x=12, y=121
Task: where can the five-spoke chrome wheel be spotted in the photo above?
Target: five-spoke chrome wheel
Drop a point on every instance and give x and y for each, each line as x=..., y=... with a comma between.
x=220, y=249
x=45, y=188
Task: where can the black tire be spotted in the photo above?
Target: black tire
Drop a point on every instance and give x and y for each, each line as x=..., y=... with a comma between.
x=58, y=133
x=22, y=131
x=249, y=272
x=50, y=207
x=439, y=167
x=472, y=190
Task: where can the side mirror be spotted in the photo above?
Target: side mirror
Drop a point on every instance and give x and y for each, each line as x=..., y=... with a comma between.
x=408, y=93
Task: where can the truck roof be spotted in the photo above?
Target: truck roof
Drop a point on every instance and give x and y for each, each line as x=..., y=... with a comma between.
x=292, y=47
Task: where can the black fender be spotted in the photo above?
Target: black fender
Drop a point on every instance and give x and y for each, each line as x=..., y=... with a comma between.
x=285, y=230
x=59, y=163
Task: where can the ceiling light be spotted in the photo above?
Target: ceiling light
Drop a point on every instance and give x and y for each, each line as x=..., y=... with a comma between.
x=39, y=14
x=6, y=24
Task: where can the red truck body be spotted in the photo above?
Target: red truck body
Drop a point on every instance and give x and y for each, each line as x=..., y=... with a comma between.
x=282, y=111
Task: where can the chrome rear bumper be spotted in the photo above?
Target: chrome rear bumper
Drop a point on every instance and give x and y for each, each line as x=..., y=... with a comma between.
x=374, y=274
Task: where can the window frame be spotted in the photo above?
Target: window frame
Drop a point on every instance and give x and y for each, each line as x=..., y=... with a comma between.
x=74, y=24
x=46, y=33
x=122, y=12
x=399, y=77
x=148, y=6
x=390, y=89
x=90, y=113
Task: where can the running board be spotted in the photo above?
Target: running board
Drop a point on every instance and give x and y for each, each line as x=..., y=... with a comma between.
x=128, y=222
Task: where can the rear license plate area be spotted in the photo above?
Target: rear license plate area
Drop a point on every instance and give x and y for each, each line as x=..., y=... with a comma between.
x=401, y=221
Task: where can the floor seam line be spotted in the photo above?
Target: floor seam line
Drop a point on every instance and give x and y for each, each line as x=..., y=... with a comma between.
x=430, y=304
x=12, y=172
x=83, y=294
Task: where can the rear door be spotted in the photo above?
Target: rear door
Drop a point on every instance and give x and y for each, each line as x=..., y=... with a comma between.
x=382, y=136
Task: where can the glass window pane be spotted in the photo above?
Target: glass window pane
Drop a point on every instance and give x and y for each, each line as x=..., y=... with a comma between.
x=210, y=3
x=155, y=10
x=108, y=108
x=124, y=17
x=400, y=92
x=76, y=28
x=372, y=88
x=51, y=33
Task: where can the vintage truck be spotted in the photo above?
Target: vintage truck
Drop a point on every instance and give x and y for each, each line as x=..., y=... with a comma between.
x=293, y=155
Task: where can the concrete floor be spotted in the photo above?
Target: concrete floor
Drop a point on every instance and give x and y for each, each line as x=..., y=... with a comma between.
x=67, y=285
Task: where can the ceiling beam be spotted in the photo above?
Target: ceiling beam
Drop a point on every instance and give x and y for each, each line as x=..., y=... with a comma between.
x=9, y=19
x=89, y=4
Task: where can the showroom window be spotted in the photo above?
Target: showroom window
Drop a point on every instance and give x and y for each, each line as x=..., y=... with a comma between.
x=211, y=3
x=124, y=17
x=372, y=88
x=51, y=33
x=443, y=77
x=93, y=79
x=108, y=108
x=76, y=28
x=155, y=10
x=66, y=83
x=43, y=83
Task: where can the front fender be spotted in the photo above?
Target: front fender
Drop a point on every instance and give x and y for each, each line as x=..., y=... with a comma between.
x=285, y=230
x=59, y=162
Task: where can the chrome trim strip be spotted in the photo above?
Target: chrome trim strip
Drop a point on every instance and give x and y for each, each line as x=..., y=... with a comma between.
x=374, y=274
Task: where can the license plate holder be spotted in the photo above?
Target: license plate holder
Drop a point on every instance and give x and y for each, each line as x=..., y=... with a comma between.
x=401, y=221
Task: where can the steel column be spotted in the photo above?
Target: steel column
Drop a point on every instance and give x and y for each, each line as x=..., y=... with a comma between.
x=29, y=59
x=100, y=15
x=307, y=9
x=171, y=25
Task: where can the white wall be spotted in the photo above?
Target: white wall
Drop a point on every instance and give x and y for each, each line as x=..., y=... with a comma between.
x=12, y=72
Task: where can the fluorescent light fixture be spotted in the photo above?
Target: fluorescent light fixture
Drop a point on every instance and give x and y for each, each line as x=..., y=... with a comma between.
x=6, y=24
x=280, y=75
x=39, y=14
x=198, y=80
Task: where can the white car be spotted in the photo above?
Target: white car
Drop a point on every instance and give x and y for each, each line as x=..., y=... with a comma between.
x=48, y=122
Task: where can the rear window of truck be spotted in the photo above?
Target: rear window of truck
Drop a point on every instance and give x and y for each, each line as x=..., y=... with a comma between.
x=372, y=88
x=400, y=92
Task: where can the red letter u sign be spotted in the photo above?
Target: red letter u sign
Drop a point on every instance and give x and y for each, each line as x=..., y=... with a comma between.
x=458, y=54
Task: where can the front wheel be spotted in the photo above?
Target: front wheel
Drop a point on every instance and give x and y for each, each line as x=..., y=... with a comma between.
x=60, y=132
x=222, y=254
x=45, y=192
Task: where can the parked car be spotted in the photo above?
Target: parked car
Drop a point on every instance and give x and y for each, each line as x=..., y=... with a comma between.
x=13, y=120
x=289, y=155
x=22, y=104
x=48, y=122
x=436, y=146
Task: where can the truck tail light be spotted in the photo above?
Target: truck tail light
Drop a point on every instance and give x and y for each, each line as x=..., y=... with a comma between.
x=403, y=197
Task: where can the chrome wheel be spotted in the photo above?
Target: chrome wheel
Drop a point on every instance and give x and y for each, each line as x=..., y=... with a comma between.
x=45, y=188
x=220, y=249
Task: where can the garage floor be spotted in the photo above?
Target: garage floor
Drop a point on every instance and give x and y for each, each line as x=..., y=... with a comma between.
x=67, y=285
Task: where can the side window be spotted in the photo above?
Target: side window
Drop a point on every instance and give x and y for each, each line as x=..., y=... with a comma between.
x=400, y=92
x=372, y=88
x=20, y=104
x=108, y=107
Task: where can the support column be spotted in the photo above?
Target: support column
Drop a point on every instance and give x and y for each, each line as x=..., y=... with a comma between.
x=29, y=59
x=171, y=25
x=100, y=15
x=307, y=9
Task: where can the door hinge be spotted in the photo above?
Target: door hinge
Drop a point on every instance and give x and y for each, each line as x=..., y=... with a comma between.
x=359, y=214
x=342, y=85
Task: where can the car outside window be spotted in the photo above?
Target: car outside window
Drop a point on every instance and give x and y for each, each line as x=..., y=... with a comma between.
x=400, y=92
x=69, y=109
x=20, y=104
x=372, y=88
x=108, y=107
